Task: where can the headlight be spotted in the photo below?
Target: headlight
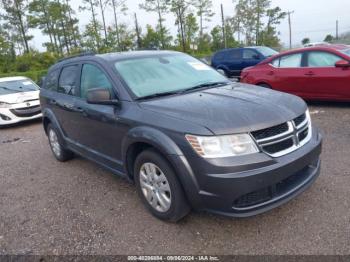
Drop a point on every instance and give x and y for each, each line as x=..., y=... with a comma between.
x=4, y=105
x=222, y=146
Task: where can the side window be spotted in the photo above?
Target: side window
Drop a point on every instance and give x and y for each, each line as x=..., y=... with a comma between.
x=250, y=54
x=93, y=77
x=67, y=83
x=234, y=55
x=52, y=80
x=322, y=59
x=291, y=61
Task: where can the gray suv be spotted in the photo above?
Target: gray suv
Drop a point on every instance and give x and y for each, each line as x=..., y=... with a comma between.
x=183, y=133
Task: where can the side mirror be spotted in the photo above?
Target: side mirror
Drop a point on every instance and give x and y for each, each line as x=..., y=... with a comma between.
x=100, y=96
x=342, y=64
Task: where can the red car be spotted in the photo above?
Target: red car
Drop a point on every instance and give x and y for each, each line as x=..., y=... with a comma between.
x=316, y=73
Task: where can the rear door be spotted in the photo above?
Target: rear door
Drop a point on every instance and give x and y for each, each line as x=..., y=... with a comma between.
x=63, y=99
x=326, y=81
x=288, y=74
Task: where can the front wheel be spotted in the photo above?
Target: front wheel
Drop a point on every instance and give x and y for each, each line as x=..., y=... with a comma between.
x=159, y=188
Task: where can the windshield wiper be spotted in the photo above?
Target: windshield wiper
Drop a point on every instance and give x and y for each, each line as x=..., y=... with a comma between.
x=6, y=88
x=159, y=95
x=204, y=85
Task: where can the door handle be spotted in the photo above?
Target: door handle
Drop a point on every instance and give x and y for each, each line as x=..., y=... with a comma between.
x=270, y=73
x=310, y=73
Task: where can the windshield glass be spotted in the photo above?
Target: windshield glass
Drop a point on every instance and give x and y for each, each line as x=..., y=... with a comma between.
x=347, y=52
x=266, y=51
x=162, y=74
x=18, y=86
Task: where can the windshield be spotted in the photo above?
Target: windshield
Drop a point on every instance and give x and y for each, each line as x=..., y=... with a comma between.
x=18, y=86
x=266, y=51
x=163, y=74
x=347, y=52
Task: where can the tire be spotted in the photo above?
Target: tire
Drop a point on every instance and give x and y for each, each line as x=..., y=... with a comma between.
x=56, y=145
x=167, y=196
x=265, y=86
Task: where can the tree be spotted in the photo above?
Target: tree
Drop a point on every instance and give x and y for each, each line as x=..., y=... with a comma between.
x=161, y=7
x=102, y=9
x=179, y=8
x=217, y=38
x=91, y=36
x=93, y=29
x=269, y=36
x=250, y=15
x=151, y=40
x=205, y=13
x=329, y=39
x=191, y=30
x=15, y=16
x=119, y=7
x=305, y=41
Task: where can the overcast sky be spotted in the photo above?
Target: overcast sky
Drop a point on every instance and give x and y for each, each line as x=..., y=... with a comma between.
x=311, y=18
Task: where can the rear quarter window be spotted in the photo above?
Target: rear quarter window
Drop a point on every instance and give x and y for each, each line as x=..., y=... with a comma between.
x=68, y=80
x=51, y=80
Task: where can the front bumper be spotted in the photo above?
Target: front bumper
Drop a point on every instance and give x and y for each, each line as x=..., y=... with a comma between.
x=247, y=186
x=20, y=112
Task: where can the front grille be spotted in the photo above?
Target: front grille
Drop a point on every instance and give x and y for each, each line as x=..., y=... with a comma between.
x=284, y=138
x=273, y=191
x=270, y=132
x=279, y=147
x=299, y=120
x=26, y=112
x=303, y=134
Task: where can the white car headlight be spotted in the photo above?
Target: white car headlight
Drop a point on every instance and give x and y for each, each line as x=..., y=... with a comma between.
x=4, y=105
x=223, y=146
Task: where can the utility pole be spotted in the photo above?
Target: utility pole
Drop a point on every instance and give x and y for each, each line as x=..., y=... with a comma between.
x=223, y=26
x=137, y=33
x=290, y=28
x=337, y=30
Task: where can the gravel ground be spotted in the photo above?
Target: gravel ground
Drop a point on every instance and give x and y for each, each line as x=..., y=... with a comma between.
x=50, y=208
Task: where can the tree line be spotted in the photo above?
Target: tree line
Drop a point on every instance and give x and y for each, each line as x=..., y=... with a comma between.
x=251, y=22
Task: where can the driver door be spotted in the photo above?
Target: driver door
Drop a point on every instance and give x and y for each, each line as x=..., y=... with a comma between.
x=100, y=130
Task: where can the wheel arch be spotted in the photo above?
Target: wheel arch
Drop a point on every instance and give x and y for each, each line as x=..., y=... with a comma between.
x=143, y=138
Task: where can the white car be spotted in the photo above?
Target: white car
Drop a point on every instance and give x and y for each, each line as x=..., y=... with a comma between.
x=19, y=100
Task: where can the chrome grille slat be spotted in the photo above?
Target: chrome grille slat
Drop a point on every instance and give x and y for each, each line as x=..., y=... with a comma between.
x=285, y=142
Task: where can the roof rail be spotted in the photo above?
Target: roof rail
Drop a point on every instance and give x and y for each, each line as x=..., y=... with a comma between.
x=88, y=53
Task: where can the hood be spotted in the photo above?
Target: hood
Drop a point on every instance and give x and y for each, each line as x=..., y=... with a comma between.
x=20, y=97
x=231, y=109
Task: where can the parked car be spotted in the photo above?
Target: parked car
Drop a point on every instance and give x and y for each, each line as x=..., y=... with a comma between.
x=313, y=73
x=231, y=62
x=19, y=100
x=184, y=134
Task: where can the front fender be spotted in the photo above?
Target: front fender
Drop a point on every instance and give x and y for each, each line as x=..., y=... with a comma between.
x=170, y=150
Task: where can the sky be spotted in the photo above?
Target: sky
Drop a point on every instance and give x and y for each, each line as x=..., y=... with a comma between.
x=311, y=18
